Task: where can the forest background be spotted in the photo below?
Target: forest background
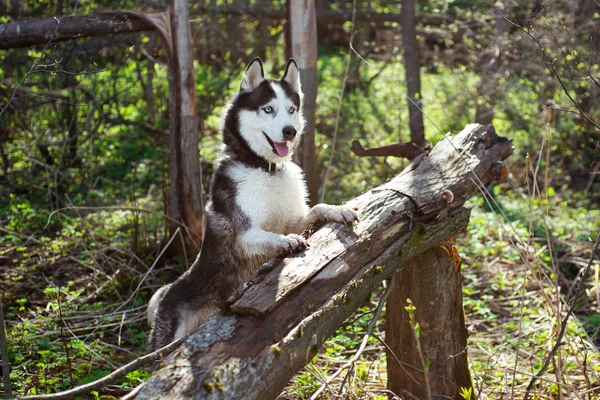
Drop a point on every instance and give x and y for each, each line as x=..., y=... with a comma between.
x=84, y=177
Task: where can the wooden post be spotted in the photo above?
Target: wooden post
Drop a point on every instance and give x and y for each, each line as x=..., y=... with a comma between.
x=303, y=35
x=185, y=196
x=432, y=280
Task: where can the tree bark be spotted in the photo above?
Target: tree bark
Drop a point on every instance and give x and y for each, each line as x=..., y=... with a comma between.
x=277, y=322
x=408, y=25
x=405, y=150
x=41, y=31
x=303, y=35
x=186, y=196
x=432, y=280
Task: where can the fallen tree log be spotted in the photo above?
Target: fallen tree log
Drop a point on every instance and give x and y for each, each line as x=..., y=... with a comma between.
x=277, y=323
x=58, y=29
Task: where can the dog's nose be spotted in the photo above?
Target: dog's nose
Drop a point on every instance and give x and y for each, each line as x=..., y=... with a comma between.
x=289, y=132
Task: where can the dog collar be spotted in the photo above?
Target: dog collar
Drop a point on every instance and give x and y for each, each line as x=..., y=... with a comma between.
x=272, y=167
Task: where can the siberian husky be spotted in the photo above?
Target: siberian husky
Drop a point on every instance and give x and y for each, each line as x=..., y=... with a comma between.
x=257, y=207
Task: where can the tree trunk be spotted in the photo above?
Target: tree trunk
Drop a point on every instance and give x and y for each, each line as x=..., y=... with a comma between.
x=432, y=281
x=186, y=197
x=412, y=67
x=303, y=35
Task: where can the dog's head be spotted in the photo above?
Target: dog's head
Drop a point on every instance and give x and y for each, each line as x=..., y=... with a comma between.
x=269, y=112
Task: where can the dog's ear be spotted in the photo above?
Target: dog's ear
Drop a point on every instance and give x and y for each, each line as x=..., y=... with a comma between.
x=292, y=76
x=254, y=76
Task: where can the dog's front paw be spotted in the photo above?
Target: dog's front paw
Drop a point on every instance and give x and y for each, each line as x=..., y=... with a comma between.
x=342, y=214
x=293, y=243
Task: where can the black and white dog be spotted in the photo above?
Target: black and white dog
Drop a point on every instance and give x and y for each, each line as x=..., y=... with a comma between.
x=257, y=208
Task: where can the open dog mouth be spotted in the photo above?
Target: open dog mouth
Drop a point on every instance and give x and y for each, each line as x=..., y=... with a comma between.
x=279, y=148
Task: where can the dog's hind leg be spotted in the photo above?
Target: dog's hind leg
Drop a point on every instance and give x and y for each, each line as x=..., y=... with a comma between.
x=176, y=320
x=153, y=304
x=163, y=331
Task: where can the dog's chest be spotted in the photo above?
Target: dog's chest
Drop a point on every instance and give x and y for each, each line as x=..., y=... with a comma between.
x=273, y=202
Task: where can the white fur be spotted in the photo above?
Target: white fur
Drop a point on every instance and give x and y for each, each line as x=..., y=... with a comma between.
x=275, y=205
x=276, y=222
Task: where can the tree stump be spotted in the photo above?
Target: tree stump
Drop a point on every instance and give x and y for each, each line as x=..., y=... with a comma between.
x=432, y=280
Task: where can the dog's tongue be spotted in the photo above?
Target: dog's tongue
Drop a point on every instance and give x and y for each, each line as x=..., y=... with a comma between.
x=281, y=149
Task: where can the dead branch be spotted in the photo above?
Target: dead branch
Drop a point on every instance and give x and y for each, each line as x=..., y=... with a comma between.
x=407, y=150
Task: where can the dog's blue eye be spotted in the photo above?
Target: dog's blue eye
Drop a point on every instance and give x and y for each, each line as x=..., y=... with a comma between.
x=291, y=110
x=268, y=110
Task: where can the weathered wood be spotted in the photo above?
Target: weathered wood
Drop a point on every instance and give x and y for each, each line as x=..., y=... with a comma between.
x=303, y=36
x=405, y=150
x=432, y=281
x=41, y=31
x=186, y=197
x=252, y=351
x=326, y=244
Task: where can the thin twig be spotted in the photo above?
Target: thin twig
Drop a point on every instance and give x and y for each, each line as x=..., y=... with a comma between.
x=116, y=374
x=370, y=326
x=563, y=326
